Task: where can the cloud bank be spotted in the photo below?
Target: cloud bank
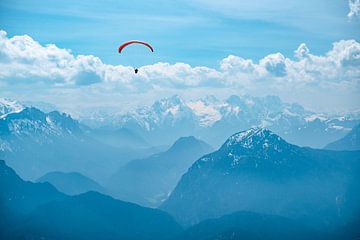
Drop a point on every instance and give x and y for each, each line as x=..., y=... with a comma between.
x=25, y=62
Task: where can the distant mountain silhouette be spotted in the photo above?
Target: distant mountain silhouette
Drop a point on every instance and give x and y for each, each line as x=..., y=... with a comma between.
x=350, y=142
x=258, y=171
x=38, y=211
x=72, y=183
x=148, y=181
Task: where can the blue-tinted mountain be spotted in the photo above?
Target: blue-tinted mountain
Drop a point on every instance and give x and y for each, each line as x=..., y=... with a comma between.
x=18, y=198
x=21, y=197
x=257, y=171
x=38, y=211
x=149, y=181
x=72, y=183
x=350, y=142
x=35, y=143
x=252, y=226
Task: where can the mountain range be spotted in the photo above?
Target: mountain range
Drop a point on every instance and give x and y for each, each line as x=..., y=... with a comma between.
x=34, y=143
x=258, y=171
x=38, y=211
x=149, y=181
x=213, y=120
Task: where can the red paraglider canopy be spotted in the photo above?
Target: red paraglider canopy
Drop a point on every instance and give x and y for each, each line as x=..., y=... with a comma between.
x=135, y=42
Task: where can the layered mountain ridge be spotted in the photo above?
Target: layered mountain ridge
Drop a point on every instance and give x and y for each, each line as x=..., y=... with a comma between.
x=213, y=120
x=38, y=211
x=34, y=143
x=149, y=181
x=258, y=171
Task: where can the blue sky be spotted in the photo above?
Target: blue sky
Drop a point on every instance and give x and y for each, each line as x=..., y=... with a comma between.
x=65, y=52
x=197, y=32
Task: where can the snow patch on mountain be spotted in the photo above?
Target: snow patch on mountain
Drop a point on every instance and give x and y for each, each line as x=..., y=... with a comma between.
x=8, y=106
x=206, y=114
x=246, y=138
x=214, y=119
x=37, y=125
x=314, y=117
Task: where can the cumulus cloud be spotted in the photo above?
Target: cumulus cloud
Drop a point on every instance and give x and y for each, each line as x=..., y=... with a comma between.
x=302, y=51
x=274, y=64
x=340, y=64
x=24, y=61
x=354, y=6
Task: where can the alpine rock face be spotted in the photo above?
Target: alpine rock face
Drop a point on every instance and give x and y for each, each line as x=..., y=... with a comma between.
x=213, y=120
x=35, y=143
x=30, y=124
x=258, y=171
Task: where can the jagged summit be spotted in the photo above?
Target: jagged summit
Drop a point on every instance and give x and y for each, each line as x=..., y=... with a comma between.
x=31, y=120
x=215, y=119
x=172, y=105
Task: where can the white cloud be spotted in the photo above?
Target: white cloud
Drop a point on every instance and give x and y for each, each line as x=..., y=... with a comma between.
x=25, y=62
x=274, y=64
x=354, y=6
x=302, y=51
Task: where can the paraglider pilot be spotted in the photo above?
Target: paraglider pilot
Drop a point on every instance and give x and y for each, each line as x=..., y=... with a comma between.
x=135, y=42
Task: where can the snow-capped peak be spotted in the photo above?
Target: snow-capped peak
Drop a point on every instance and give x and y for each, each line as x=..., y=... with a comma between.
x=252, y=137
x=8, y=106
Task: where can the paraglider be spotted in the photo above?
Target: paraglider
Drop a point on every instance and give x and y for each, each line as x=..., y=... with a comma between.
x=135, y=42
